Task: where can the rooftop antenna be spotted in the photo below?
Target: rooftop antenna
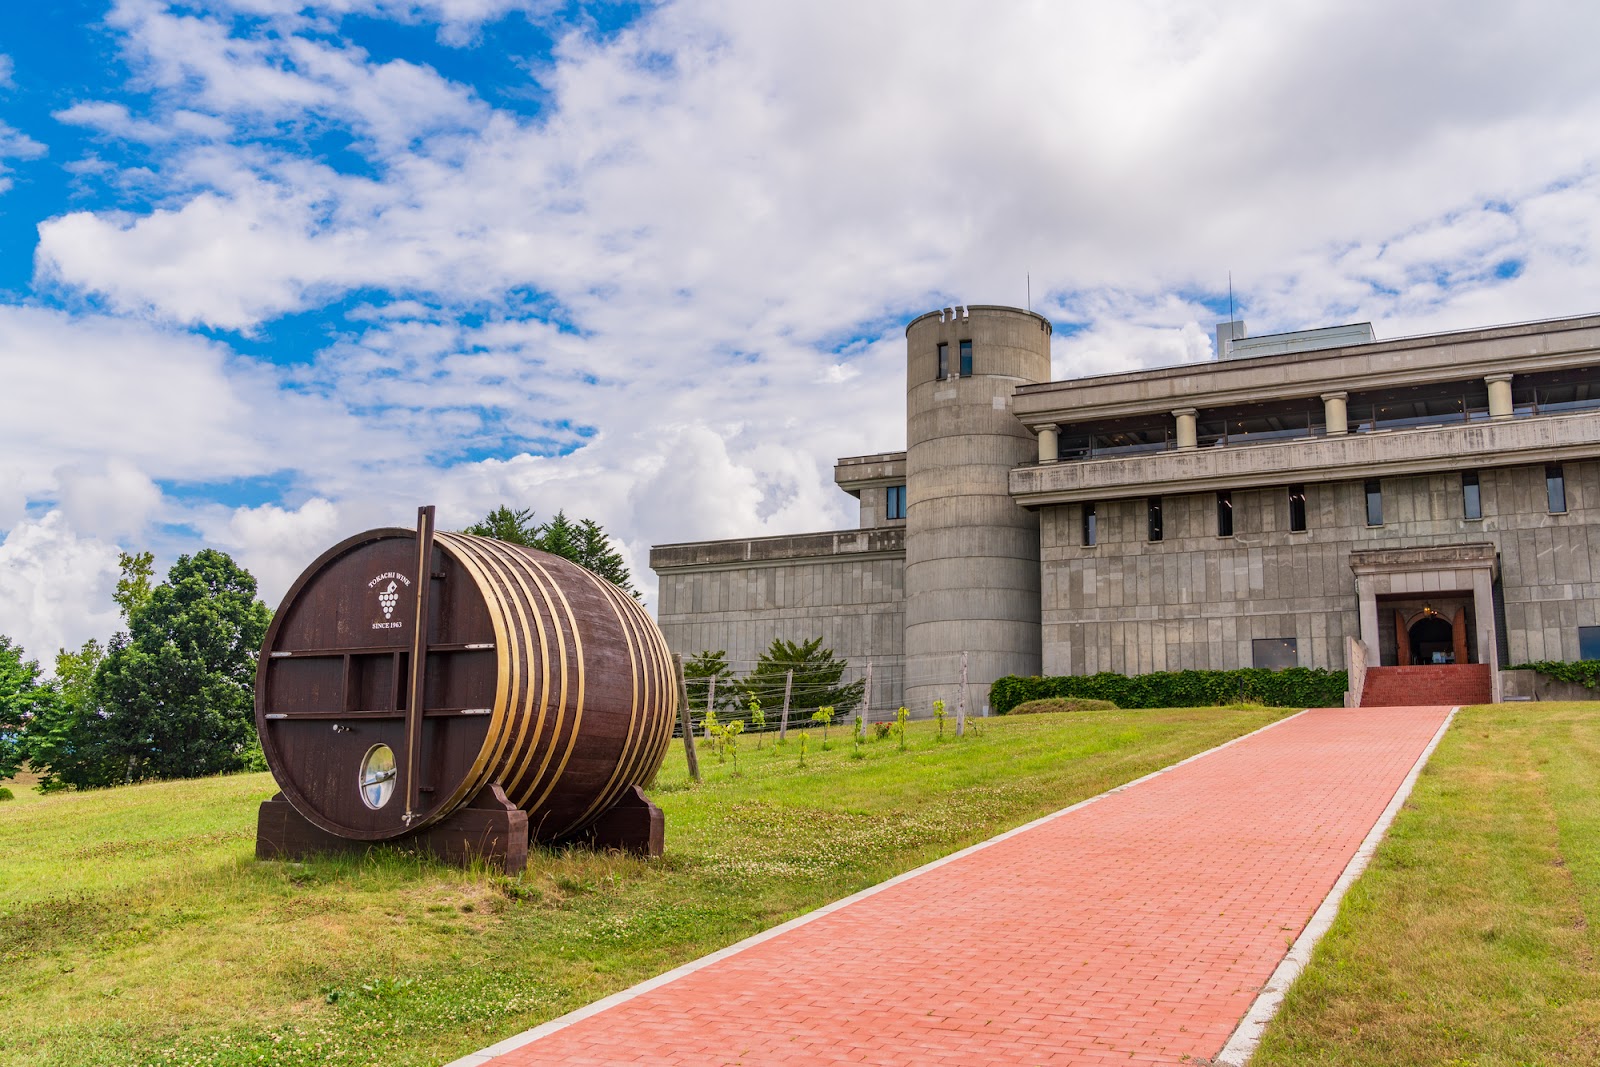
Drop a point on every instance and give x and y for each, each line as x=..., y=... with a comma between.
x=1030, y=290
x=1230, y=300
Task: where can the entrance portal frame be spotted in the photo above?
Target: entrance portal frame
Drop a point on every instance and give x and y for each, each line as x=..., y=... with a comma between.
x=1461, y=569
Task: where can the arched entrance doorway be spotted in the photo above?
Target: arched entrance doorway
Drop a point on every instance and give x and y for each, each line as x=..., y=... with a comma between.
x=1432, y=640
x=1431, y=634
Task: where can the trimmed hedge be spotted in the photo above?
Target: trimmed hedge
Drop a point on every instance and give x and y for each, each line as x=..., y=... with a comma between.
x=1293, y=687
x=1050, y=705
x=1584, y=672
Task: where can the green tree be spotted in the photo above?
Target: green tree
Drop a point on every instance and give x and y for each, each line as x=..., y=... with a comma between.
x=178, y=686
x=133, y=588
x=584, y=542
x=817, y=676
x=21, y=697
x=699, y=671
x=67, y=740
x=503, y=524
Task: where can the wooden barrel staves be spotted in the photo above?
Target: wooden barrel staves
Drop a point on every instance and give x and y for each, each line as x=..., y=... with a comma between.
x=461, y=694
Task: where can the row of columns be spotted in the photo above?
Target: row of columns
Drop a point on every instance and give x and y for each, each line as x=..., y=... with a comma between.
x=1335, y=413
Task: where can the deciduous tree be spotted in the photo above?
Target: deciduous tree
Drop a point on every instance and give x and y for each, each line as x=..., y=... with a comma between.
x=67, y=740
x=21, y=695
x=178, y=686
x=133, y=588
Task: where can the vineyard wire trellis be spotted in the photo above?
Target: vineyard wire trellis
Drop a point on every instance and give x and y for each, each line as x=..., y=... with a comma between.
x=886, y=681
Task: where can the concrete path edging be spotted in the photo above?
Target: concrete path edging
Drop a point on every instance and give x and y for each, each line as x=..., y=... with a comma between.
x=517, y=1041
x=1242, y=1044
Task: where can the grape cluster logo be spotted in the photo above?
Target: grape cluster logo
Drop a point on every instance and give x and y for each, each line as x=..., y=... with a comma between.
x=387, y=600
x=388, y=597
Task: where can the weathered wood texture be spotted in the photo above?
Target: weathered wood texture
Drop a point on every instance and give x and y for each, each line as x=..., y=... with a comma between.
x=632, y=824
x=540, y=678
x=490, y=828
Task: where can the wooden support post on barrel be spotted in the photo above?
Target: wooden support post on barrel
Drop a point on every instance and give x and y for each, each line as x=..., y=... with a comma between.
x=783, y=723
x=419, y=661
x=685, y=716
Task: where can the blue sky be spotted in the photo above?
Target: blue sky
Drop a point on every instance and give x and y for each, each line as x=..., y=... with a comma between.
x=273, y=271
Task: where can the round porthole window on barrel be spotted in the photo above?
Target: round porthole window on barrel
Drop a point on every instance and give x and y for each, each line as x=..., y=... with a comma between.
x=377, y=776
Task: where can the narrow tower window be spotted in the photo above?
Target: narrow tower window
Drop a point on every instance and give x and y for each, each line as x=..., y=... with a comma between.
x=944, y=361
x=1374, y=502
x=966, y=359
x=1471, y=496
x=1297, y=508
x=895, y=504
x=1555, y=484
x=1090, y=526
x=1153, y=511
x=1225, y=513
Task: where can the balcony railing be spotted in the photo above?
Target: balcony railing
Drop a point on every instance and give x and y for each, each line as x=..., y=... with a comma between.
x=1389, y=450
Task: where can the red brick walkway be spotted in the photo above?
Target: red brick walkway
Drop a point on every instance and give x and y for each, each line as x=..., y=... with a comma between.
x=1134, y=929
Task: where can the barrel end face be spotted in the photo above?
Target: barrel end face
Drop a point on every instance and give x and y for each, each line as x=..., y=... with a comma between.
x=632, y=824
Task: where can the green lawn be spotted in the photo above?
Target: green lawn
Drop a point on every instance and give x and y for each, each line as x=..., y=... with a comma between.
x=136, y=927
x=1472, y=937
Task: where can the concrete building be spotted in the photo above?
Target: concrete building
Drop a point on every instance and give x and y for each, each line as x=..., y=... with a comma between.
x=1320, y=498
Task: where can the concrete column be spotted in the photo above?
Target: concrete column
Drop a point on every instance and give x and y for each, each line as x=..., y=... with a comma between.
x=1483, y=608
x=1367, y=596
x=1186, y=431
x=1049, y=444
x=1334, y=415
x=1499, y=396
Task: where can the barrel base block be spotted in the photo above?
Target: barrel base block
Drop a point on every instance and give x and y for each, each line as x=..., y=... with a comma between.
x=490, y=829
x=632, y=824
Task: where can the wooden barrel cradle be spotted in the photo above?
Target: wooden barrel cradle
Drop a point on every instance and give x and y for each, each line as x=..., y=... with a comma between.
x=544, y=690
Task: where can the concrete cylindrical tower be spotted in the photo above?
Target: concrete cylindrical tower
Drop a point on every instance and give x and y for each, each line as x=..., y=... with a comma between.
x=972, y=554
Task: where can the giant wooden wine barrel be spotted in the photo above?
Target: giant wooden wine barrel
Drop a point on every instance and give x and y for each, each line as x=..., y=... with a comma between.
x=407, y=672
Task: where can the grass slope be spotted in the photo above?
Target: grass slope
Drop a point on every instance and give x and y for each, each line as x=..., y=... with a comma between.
x=1472, y=937
x=136, y=927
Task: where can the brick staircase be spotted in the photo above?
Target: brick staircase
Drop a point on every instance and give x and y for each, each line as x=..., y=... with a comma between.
x=1464, y=683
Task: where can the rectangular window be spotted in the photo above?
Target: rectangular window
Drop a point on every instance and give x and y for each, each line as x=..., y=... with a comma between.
x=1589, y=642
x=944, y=361
x=1471, y=496
x=1297, y=508
x=966, y=359
x=1374, y=502
x=1153, y=511
x=895, y=504
x=1555, y=484
x=1225, y=513
x=1091, y=530
x=1274, y=653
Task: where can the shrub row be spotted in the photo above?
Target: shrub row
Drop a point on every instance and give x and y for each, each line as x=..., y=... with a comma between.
x=1294, y=687
x=1058, y=704
x=1583, y=672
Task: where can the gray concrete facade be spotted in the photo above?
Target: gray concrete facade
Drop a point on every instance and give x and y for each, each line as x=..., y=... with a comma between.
x=847, y=588
x=1454, y=438
x=1196, y=600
